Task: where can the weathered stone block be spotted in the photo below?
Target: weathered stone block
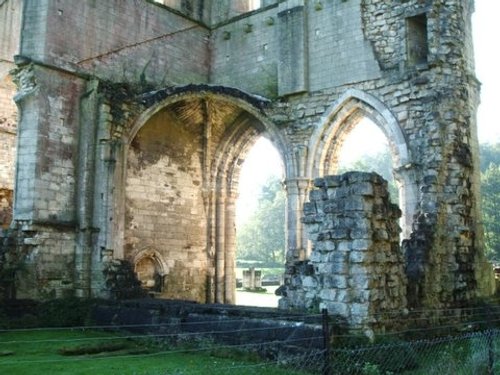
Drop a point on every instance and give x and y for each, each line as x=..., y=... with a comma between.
x=358, y=257
x=361, y=233
x=328, y=295
x=335, y=281
x=361, y=244
x=309, y=282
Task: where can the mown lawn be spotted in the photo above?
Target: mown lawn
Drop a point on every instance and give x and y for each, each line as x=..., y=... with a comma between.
x=92, y=352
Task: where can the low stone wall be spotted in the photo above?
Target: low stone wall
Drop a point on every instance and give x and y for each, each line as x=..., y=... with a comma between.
x=256, y=325
x=356, y=268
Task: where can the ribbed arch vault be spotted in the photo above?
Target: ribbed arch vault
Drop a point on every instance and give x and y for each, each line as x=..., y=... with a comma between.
x=180, y=172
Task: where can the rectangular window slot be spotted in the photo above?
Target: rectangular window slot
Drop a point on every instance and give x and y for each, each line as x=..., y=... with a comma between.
x=416, y=39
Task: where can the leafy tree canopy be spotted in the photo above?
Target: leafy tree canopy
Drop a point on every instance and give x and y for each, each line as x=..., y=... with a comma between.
x=490, y=197
x=262, y=236
x=489, y=154
x=380, y=163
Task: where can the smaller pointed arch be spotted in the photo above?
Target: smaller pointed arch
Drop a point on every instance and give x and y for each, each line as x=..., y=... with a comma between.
x=340, y=118
x=150, y=269
x=354, y=104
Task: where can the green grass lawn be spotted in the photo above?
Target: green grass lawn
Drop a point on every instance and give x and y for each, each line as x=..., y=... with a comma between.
x=92, y=352
x=78, y=351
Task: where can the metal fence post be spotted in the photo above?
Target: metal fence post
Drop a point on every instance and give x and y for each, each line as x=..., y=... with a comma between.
x=489, y=340
x=326, y=343
x=491, y=354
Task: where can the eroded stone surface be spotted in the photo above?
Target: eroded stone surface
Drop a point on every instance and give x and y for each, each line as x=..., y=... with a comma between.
x=135, y=118
x=357, y=268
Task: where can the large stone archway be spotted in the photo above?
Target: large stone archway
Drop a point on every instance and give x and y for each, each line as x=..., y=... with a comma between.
x=177, y=185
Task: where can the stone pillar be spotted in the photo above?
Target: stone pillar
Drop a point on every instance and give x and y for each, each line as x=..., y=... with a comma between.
x=46, y=176
x=356, y=269
x=252, y=279
x=408, y=193
x=108, y=206
x=296, y=190
x=85, y=194
x=230, y=248
x=220, y=227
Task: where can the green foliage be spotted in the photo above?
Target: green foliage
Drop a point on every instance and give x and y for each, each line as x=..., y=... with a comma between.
x=380, y=163
x=490, y=193
x=262, y=237
x=489, y=154
x=370, y=369
x=256, y=290
x=93, y=349
x=65, y=312
x=490, y=197
x=12, y=261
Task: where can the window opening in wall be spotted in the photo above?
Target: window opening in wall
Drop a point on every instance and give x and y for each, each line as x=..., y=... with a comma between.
x=416, y=39
x=170, y=3
x=149, y=274
x=366, y=149
x=260, y=227
x=253, y=4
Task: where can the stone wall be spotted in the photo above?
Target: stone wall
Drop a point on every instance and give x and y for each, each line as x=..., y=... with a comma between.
x=49, y=139
x=265, y=52
x=10, y=26
x=248, y=49
x=93, y=73
x=46, y=274
x=356, y=269
x=196, y=9
x=122, y=41
x=10, y=29
x=165, y=211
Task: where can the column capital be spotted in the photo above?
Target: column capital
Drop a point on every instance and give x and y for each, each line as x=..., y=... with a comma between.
x=405, y=170
x=299, y=183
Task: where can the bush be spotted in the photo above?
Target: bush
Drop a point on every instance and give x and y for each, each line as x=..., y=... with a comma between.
x=65, y=312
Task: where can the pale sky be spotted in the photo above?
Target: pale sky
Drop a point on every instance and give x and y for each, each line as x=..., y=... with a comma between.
x=264, y=161
x=486, y=30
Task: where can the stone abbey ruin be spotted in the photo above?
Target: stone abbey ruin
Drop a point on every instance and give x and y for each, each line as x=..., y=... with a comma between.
x=124, y=125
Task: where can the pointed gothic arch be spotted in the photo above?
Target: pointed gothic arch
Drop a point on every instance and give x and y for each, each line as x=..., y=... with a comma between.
x=217, y=128
x=340, y=118
x=230, y=155
x=150, y=269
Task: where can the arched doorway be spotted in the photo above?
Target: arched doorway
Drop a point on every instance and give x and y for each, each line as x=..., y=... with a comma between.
x=180, y=177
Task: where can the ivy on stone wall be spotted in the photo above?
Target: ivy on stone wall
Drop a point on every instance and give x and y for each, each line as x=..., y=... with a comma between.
x=11, y=262
x=121, y=280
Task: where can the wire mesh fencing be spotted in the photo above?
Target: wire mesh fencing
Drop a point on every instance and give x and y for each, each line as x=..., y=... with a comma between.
x=200, y=344
x=468, y=353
